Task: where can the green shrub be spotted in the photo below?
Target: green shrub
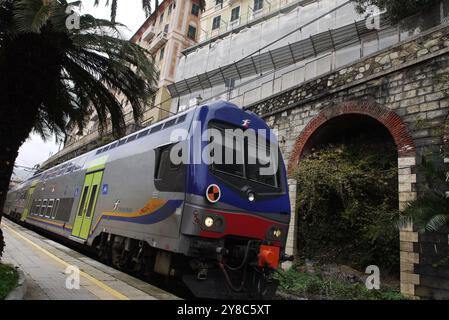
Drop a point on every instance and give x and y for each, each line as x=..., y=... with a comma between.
x=347, y=206
x=316, y=287
x=8, y=280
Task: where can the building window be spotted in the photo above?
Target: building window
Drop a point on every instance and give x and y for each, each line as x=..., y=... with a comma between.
x=235, y=13
x=170, y=8
x=218, y=4
x=166, y=28
x=192, y=32
x=195, y=9
x=216, y=22
x=161, y=54
x=161, y=18
x=258, y=5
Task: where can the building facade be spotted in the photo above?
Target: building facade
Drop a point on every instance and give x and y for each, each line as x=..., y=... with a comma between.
x=294, y=41
x=221, y=16
x=171, y=28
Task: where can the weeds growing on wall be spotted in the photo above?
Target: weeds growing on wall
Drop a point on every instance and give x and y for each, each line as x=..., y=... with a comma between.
x=348, y=206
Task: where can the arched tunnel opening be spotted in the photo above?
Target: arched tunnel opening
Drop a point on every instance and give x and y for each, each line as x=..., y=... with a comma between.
x=348, y=196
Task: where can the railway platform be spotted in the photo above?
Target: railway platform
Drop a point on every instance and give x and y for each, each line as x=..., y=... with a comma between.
x=48, y=264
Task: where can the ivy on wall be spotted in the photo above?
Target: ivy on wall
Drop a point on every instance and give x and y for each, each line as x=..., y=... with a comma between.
x=348, y=205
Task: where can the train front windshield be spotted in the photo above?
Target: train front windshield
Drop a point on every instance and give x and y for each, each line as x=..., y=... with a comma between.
x=244, y=155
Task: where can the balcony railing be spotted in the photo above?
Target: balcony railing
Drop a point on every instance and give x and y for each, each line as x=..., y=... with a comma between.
x=149, y=34
x=158, y=42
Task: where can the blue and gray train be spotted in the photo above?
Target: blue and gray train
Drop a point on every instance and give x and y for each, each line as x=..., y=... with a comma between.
x=220, y=228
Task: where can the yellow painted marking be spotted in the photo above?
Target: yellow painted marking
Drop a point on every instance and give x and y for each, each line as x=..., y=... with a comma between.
x=150, y=207
x=102, y=285
x=50, y=222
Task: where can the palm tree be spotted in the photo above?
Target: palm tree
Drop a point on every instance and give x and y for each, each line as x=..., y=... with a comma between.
x=146, y=6
x=430, y=211
x=52, y=76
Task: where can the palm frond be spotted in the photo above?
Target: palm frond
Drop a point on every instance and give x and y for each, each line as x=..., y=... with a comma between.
x=31, y=15
x=81, y=71
x=436, y=223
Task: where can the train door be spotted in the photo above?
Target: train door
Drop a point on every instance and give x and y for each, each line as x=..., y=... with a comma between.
x=86, y=207
x=28, y=202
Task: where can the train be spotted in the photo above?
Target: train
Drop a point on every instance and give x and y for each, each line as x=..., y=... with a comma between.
x=219, y=228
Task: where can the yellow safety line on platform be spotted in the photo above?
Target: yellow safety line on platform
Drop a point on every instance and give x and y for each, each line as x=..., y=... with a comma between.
x=102, y=285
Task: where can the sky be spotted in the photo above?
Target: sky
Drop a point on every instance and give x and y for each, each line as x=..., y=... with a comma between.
x=35, y=150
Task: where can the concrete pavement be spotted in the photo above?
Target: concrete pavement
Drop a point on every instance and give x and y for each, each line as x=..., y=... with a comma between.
x=45, y=263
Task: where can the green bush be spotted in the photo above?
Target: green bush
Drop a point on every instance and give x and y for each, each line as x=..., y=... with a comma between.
x=316, y=287
x=8, y=280
x=347, y=206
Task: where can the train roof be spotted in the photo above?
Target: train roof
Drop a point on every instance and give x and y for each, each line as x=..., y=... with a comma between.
x=153, y=128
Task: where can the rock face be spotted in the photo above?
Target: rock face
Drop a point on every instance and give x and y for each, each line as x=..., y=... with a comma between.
x=405, y=88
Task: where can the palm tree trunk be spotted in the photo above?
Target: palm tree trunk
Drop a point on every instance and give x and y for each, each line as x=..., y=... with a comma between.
x=16, y=123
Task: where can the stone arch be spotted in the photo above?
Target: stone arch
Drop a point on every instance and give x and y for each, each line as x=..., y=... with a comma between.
x=406, y=151
x=392, y=122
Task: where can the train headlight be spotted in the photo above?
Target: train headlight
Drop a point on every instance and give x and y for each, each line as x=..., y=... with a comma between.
x=277, y=233
x=251, y=196
x=209, y=222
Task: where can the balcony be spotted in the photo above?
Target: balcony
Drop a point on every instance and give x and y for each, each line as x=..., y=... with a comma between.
x=157, y=42
x=234, y=23
x=148, y=34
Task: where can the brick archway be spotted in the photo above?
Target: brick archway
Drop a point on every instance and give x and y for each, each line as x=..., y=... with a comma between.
x=391, y=121
x=406, y=175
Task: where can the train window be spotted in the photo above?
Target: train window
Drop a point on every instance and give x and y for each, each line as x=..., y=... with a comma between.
x=156, y=128
x=99, y=151
x=55, y=209
x=245, y=165
x=122, y=142
x=132, y=138
x=38, y=207
x=143, y=133
x=33, y=208
x=115, y=144
x=236, y=167
x=182, y=118
x=69, y=168
x=168, y=176
x=83, y=201
x=91, y=201
x=170, y=123
x=49, y=208
x=254, y=165
x=43, y=207
x=106, y=148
